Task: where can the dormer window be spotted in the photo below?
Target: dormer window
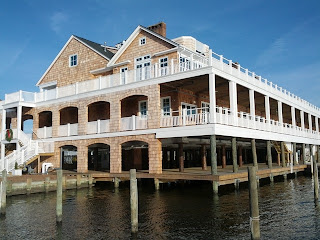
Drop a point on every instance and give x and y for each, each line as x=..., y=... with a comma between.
x=142, y=41
x=73, y=60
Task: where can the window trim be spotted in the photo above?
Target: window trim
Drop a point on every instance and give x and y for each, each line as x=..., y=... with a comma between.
x=70, y=61
x=142, y=39
x=162, y=112
x=126, y=75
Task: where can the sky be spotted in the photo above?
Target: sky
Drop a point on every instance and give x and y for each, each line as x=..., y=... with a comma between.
x=279, y=40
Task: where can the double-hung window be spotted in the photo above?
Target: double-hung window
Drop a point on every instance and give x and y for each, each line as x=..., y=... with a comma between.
x=190, y=108
x=123, y=75
x=143, y=67
x=163, y=66
x=166, y=106
x=73, y=60
x=143, y=108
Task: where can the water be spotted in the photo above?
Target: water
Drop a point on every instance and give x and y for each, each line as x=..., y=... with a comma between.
x=287, y=211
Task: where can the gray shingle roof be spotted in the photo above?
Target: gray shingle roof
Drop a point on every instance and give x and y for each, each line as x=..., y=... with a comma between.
x=97, y=47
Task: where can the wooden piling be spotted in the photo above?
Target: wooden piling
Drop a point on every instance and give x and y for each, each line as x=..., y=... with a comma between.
x=240, y=156
x=304, y=153
x=254, y=204
x=283, y=156
x=181, y=158
x=203, y=157
x=315, y=181
x=116, y=182
x=224, y=158
x=294, y=152
x=269, y=155
x=318, y=154
x=79, y=177
x=156, y=184
x=234, y=154
x=29, y=183
x=134, y=201
x=214, y=163
x=47, y=184
x=59, y=196
x=90, y=180
x=254, y=153
x=3, y=200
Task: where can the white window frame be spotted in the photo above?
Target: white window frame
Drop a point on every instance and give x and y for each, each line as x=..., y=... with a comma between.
x=123, y=75
x=162, y=112
x=192, y=110
x=71, y=61
x=164, y=70
x=140, y=102
x=205, y=105
x=142, y=41
x=144, y=71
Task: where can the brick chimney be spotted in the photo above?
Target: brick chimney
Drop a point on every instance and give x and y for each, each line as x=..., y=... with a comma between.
x=159, y=28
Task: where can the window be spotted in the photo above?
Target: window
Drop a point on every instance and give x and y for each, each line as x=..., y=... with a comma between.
x=163, y=66
x=123, y=75
x=73, y=60
x=190, y=108
x=142, y=41
x=184, y=63
x=166, y=106
x=205, y=107
x=143, y=67
x=143, y=108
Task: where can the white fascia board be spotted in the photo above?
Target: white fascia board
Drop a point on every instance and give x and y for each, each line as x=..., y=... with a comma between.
x=165, y=52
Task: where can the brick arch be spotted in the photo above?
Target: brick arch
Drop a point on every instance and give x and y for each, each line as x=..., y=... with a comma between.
x=99, y=140
x=67, y=143
x=141, y=138
x=89, y=101
x=137, y=91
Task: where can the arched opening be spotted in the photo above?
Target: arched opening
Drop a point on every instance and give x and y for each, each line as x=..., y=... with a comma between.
x=27, y=124
x=99, y=157
x=45, y=124
x=68, y=122
x=135, y=155
x=98, y=117
x=134, y=112
x=68, y=157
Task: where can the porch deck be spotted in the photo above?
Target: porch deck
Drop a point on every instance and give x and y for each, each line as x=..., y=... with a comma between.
x=224, y=176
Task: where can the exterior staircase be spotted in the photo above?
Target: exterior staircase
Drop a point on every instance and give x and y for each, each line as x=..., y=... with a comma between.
x=287, y=151
x=29, y=151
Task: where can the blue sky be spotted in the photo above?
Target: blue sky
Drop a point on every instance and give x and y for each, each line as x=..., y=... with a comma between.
x=278, y=40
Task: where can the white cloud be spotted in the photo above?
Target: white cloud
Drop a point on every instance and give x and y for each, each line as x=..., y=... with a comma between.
x=273, y=53
x=57, y=20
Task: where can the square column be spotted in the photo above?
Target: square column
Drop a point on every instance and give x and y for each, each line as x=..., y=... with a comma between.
x=233, y=101
x=293, y=116
x=2, y=155
x=310, y=121
x=3, y=123
x=302, y=119
x=212, y=94
x=267, y=107
x=252, y=106
x=280, y=116
x=317, y=124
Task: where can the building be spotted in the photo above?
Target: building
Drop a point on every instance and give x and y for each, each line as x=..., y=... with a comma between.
x=152, y=103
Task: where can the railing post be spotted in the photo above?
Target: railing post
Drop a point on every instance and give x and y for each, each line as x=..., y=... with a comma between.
x=98, y=126
x=184, y=115
x=133, y=118
x=68, y=129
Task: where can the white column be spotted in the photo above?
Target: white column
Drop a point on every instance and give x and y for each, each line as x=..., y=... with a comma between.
x=233, y=101
x=293, y=116
x=212, y=94
x=252, y=103
x=310, y=121
x=302, y=119
x=280, y=116
x=19, y=119
x=267, y=107
x=2, y=155
x=3, y=123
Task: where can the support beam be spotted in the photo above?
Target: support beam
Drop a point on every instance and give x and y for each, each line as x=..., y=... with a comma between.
x=294, y=153
x=283, y=156
x=181, y=158
x=203, y=157
x=254, y=153
x=240, y=156
x=224, y=158
x=269, y=154
x=234, y=154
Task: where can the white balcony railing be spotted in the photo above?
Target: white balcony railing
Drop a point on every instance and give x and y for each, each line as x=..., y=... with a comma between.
x=68, y=130
x=134, y=123
x=45, y=132
x=99, y=126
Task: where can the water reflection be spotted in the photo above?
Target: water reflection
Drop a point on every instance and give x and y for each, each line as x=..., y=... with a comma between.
x=287, y=211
